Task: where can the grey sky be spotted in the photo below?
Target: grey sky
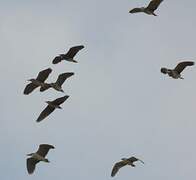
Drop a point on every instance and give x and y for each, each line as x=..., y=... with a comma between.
x=120, y=104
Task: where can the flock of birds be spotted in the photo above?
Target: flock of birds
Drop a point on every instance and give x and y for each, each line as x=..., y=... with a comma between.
x=39, y=81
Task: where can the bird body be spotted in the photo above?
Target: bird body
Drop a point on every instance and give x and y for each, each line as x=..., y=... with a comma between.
x=69, y=56
x=176, y=72
x=124, y=162
x=153, y=5
x=51, y=104
x=57, y=87
x=37, y=157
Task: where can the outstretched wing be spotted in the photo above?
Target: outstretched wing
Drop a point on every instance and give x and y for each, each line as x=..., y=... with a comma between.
x=43, y=75
x=153, y=5
x=73, y=51
x=29, y=88
x=62, y=77
x=135, y=10
x=43, y=149
x=48, y=110
x=31, y=163
x=57, y=59
x=60, y=100
x=117, y=166
x=182, y=65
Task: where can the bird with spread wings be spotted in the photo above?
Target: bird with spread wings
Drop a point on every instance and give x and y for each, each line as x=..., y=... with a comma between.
x=153, y=5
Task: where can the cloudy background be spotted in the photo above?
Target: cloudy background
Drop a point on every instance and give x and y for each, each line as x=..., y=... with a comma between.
x=120, y=104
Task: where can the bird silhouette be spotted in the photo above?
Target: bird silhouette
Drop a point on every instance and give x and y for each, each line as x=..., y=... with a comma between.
x=153, y=5
x=124, y=162
x=52, y=105
x=37, y=157
x=39, y=81
x=176, y=72
x=69, y=56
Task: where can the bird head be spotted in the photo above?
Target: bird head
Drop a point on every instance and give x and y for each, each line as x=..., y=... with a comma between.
x=30, y=80
x=48, y=102
x=164, y=70
x=123, y=159
x=31, y=154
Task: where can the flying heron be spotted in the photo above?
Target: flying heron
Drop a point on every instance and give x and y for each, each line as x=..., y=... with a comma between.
x=39, y=81
x=124, y=162
x=59, y=82
x=52, y=105
x=175, y=73
x=37, y=157
x=152, y=6
x=69, y=55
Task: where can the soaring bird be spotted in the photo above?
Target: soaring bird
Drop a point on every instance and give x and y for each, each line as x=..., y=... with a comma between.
x=39, y=81
x=38, y=156
x=124, y=162
x=69, y=55
x=153, y=5
x=175, y=73
x=52, y=105
x=58, y=84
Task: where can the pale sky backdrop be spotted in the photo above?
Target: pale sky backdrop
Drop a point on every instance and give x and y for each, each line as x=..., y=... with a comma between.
x=120, y=104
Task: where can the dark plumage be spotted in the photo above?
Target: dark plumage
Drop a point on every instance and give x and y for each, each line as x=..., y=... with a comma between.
x=59, y=82
x=69, y=55
x=176, y=72
x=52, y=105
x=123, y=163
x=39, y=81
x=37, y=157
x=153, y=5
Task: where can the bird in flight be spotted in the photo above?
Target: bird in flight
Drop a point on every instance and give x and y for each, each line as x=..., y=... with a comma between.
x=175, y=73
x=52, y=105
x=59, y=82
x=69, y=56
x=152, y=6
x=37, y=157
x=124, y=162
x=39, y=81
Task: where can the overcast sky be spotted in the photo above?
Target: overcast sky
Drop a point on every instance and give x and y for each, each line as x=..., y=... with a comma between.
x=120, y=104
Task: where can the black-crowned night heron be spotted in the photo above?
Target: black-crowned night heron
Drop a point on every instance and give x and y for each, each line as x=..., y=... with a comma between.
x=52, y=105
x=69, y=55
x=59, y=82
x=153, y=5
x=175, y=73
x=37, y=157
x=39, y=81
x=124, y=162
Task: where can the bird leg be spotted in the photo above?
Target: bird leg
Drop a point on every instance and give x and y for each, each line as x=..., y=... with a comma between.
x=154, y=14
